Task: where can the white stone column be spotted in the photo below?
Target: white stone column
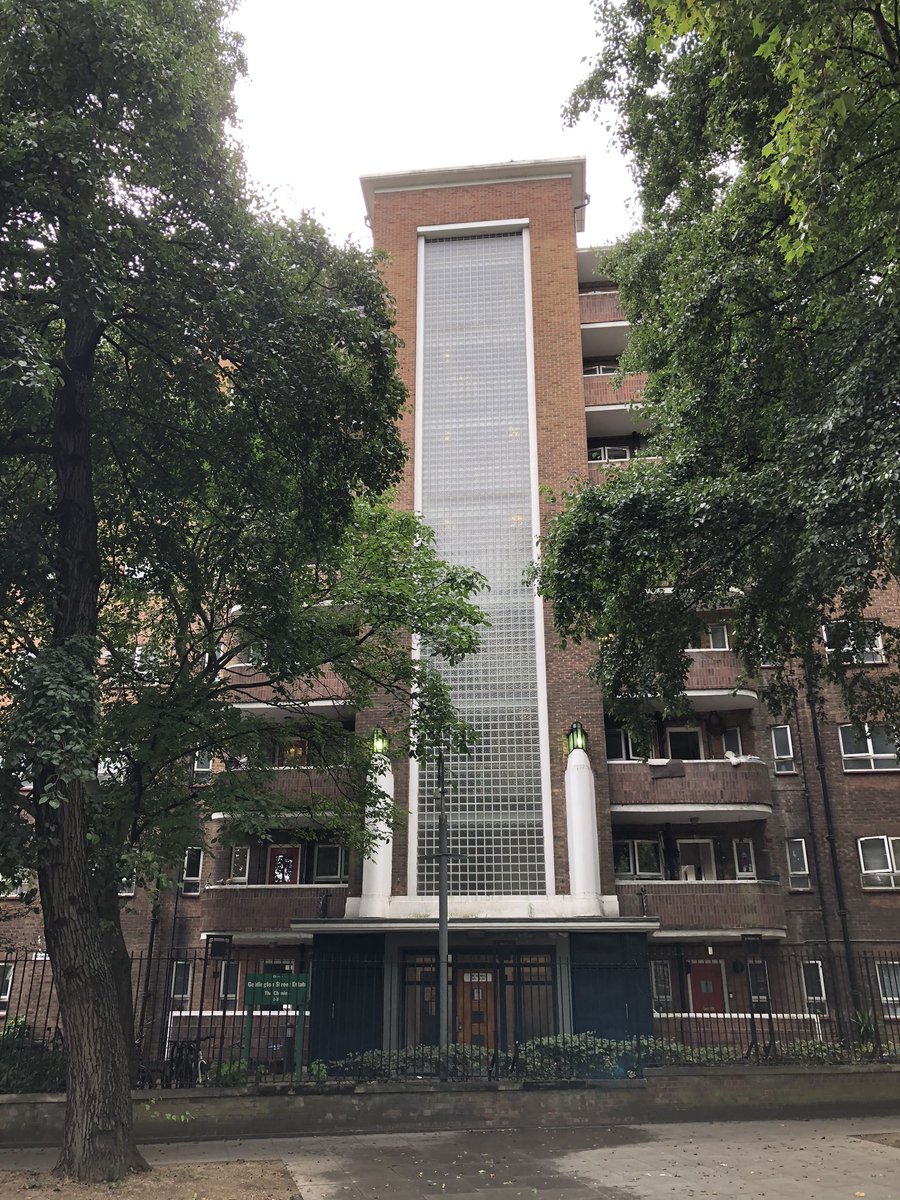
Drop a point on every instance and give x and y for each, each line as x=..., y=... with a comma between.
x=581, y=829
x=376, y=878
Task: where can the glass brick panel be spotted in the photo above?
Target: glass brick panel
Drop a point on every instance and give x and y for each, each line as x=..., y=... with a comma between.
x=476, y=495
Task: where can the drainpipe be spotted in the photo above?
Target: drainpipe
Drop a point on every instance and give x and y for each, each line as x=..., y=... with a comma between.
x=832, y=844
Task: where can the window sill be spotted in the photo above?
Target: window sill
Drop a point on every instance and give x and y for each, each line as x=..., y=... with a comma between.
x=269, y=887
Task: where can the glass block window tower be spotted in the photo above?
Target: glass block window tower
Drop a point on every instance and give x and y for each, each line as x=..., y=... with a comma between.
x=476, y=489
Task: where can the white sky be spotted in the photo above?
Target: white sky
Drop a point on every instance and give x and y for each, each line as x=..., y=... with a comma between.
x=343, y=88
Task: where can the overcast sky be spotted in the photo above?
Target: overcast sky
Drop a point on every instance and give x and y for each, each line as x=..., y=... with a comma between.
x=343, y=88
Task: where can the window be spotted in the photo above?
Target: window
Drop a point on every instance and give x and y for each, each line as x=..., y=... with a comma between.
x=229, y=981
x=618, y=745
x=202, y=767
x=191, y=871
x=880, y=861
x=731, y=741
x=782, y=749
x=744, y=859
x=127, y=885
x=292, y=752
x=718, y=636
x=181, y=984
x=240, y=864
x=758, y=983
x=685, y=743
x=798, y=865
x=247, y=656
x=889, y=986
x=870, y=748
x=813, y=979
x=696, y=859
x=284, y=864
x=637, y=859
x=837, y=638
x=661, y=987
x=609, y=453
x=6, y=978
x=330, y=865
x=600, y=368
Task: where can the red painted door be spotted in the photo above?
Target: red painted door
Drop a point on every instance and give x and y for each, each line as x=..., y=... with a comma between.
x=707, y=993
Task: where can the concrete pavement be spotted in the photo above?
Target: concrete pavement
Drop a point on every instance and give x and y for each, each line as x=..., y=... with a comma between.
x=777, y=1160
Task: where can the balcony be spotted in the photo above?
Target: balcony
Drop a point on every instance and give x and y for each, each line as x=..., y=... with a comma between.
x=267, y=908
x=599, y=390
x=251, y=687
x=724, y=909
x=600, y=306
x=713, y=790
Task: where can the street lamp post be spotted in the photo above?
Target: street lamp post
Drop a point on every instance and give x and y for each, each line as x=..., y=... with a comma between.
x=443, y=856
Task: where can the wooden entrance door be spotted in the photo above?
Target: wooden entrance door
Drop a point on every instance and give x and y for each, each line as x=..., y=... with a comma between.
x=707, y=991
x=476, y=1007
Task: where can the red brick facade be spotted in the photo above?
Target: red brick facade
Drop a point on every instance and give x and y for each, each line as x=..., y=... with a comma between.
x=776, y=805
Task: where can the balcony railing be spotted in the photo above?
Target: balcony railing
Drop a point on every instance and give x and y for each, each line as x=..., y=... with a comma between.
x=243, y=908
x=252, y=687
x=713, y=781
x=713, y=669
x=600, y=306
x=600, y=390
x=717, y=906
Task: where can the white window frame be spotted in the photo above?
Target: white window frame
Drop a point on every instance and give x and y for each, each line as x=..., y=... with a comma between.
x=342, y=874
x=679, y=842
x=185, y=996
x=723, y=625
x=757, y=999
x=872, y=652
x=127, y=886
x=793, y=875
x=888, y=878
x=203, y=773
x=233, y=875
x=871, y=757
x=734, y=730
x=816, y=1006
x=686, y=729
x=190, y=884
x=632, y=844
x=624, y=742
x=598, y=369
x=272, y=850
x=738, y=874
x=661, y=969
x=602, y=454
x=228, y=997
x=7, y=971
x=890, y=1002
x=785, y=764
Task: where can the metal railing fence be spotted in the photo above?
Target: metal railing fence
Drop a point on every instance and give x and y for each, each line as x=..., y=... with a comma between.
x=228, y=1015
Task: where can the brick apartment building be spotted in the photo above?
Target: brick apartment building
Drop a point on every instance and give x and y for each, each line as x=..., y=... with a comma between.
x=590, y=889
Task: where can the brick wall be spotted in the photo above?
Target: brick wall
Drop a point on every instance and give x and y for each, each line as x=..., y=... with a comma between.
x=738, y=905
x=600, y=390
x=709, y=782
x=599, y=306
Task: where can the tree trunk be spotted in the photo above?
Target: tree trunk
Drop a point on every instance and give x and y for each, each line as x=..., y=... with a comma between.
x=98, y=1143
x=119, y=959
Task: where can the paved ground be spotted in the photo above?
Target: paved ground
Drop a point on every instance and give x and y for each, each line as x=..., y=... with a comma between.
x=796, y=1160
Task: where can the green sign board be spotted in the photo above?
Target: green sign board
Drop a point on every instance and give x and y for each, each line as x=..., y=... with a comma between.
x=272, y=991
x=275, y=991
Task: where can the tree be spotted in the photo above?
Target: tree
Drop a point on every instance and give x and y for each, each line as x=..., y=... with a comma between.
x=763, y=295
x=169, y=349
